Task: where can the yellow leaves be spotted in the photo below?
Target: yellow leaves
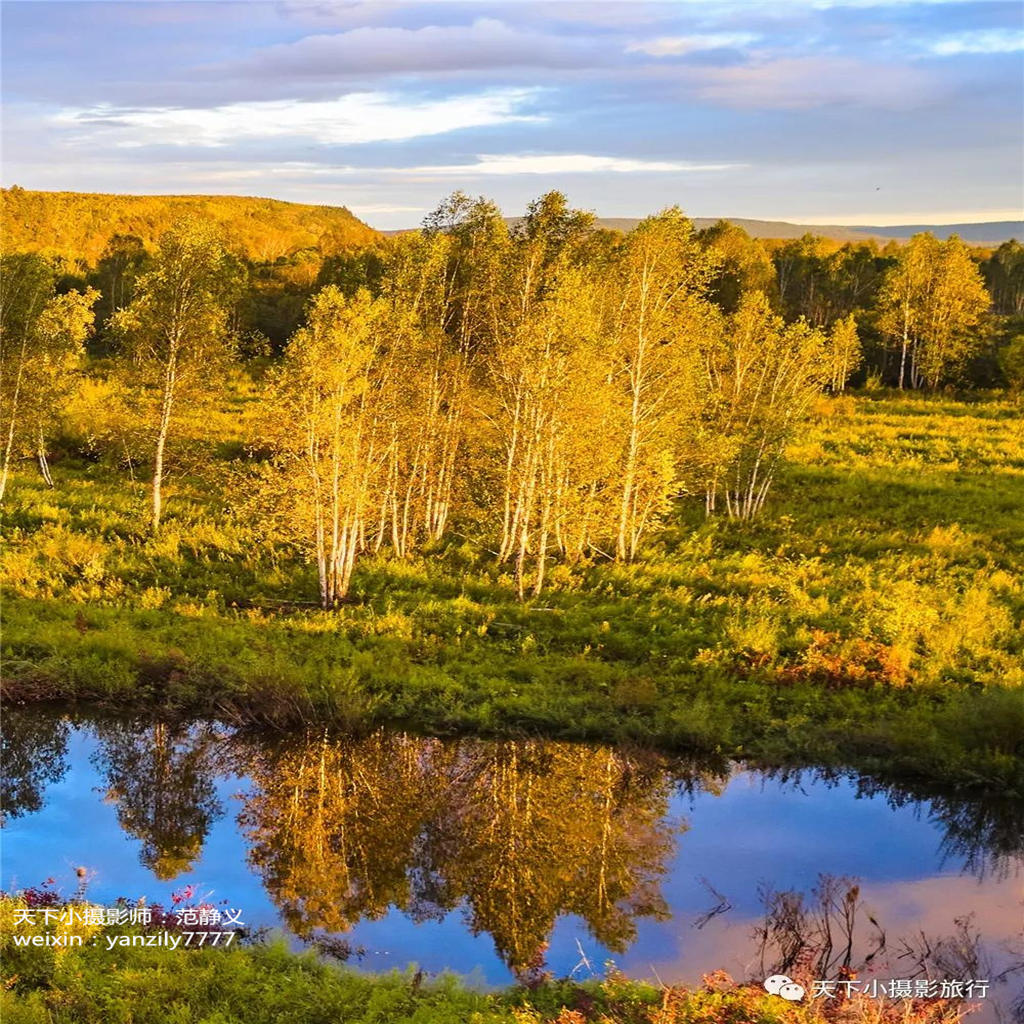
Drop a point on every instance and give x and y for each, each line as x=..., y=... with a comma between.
x=99, y=409
x=393, y=624
x=753, y=632
x=66, y=321
x=761, y=377
x=902, y=611
x=175, y=331
x=975, y=621
x=165, y=545
x=79, y=226
x=941, y=632
x=950, y=541
x=330, y=355
x=51, y=557
x=826, y=408
x=930, y=300
x=41, y=350
x=844, y=351
x=154, y=597
x=329, y=428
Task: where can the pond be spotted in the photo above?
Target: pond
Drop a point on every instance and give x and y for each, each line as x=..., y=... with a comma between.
x=498, y=859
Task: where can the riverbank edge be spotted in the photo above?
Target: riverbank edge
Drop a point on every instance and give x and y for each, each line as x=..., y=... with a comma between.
x=967, y=738
x=82, y=979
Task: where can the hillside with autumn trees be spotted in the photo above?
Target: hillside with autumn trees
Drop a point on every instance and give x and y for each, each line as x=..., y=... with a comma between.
x=679, y=485
x=78, y=227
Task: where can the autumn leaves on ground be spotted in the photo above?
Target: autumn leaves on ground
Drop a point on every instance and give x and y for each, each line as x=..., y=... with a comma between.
x=662, y=486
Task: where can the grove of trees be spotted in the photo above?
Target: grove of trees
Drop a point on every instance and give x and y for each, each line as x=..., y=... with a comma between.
x=553, y=387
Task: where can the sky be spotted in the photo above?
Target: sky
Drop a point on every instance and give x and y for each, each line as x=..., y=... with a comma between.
x=816, y=111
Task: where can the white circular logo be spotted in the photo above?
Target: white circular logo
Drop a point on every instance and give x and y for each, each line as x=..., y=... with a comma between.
x=775, y=982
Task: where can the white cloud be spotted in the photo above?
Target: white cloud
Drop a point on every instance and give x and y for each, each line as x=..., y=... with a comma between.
x=564, y=163
x=674, y=46
x=488, y=165
x=485, y=44
x=983, y=41
x=798, y=83
x=353, y=119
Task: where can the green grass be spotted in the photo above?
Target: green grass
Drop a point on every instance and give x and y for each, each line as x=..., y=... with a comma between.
x=260, y=983
x=872, y=618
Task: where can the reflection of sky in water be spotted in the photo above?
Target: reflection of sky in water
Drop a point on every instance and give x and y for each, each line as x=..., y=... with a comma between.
x=759, y=831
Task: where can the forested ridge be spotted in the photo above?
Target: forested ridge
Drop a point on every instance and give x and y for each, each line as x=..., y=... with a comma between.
x=544, y=474
x=76, y=228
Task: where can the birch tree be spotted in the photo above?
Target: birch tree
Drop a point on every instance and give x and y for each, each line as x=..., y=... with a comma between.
x=929, y=305
x=844, y=352
x=325, y=432
x=660, y=319
x=762, y=376
x=551, y=378
x=542, y=385
x=903, y=297
x=745, y=264
x=957, y=301
x=175, y=331
x=42, y=338
x=427, y=398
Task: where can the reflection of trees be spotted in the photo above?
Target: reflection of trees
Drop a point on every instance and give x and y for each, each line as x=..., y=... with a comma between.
x=161, y=777
x=333, y=826
x=33, y=755
x=988, y=835
x=534, y=830
x=520, y=832
x=985, y=833
x=517, y=834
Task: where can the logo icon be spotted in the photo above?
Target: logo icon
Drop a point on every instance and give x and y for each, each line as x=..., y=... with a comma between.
x=780, y=985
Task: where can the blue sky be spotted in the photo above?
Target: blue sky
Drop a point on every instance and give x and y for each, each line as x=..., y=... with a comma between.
x=826, y=111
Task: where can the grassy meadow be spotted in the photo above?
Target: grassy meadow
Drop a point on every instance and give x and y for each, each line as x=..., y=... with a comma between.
x=871, y=618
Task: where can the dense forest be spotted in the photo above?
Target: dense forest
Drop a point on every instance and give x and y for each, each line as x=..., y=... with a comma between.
x=565, y=384
x=77, y=229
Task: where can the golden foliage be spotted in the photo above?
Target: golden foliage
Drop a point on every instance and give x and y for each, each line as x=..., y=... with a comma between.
x=77, y=226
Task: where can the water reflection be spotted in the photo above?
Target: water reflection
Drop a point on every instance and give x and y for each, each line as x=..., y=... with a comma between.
x=518, y=833
x=513, y=834
x=161, y=779
x=33, y=755
x=985, y=835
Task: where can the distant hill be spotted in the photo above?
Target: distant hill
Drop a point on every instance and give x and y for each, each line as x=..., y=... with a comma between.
x=993, y=232
x=988, y=234
x=78, y=225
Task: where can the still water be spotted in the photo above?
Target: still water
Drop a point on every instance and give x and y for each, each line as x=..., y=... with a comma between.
x=510, y=857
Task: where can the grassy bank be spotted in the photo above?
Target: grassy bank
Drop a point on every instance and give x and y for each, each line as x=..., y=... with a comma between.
x=872, y=618
x=107, y=982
